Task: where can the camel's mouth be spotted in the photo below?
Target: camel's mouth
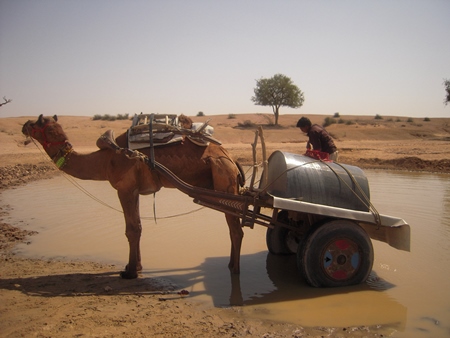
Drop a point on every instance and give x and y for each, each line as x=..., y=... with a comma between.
x=26, y=130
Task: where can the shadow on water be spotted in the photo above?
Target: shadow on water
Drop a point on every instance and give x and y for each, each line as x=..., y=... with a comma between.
x=282, y=294
x=287, y=283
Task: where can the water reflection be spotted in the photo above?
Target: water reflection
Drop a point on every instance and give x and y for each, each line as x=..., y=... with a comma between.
x=290, y=285
x=285, y=296
x=446, y=206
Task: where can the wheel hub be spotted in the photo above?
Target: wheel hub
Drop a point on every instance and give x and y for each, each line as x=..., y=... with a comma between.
x=341, y=259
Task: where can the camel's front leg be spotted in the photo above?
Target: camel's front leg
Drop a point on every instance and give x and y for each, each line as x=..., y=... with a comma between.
x=236, y=235
x=133, y=229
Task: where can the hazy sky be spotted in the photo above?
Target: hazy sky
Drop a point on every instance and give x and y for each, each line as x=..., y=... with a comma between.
x=87, y=57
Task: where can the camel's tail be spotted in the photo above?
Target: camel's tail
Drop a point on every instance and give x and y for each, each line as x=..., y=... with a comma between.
x=241, y=175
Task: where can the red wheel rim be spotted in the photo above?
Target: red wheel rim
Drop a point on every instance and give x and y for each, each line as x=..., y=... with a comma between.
x=341, y=259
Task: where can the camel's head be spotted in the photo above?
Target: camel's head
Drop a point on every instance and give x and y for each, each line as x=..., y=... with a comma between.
x=45, y=130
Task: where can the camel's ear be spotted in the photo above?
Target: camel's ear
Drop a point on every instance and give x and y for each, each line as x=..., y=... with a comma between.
x=55, y=118
x=40, y=120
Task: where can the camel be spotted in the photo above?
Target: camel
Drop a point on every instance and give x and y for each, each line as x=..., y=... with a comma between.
x=209, y=167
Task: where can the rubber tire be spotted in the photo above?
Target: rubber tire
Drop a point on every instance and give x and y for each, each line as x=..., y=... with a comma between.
x=336, y=253
x=279, y=240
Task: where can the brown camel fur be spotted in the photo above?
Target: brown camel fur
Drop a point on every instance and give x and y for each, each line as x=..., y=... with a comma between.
x=208, y=167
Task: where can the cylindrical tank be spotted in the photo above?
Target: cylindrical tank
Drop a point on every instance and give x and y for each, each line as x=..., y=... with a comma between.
x=306, y=179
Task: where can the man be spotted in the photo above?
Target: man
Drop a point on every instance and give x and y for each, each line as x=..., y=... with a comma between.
x=318, y=138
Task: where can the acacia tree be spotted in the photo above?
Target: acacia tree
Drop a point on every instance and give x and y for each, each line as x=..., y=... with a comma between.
x=447, y=89
x=277, y=91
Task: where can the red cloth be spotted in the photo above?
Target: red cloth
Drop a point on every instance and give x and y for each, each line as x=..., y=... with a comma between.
x=318, y=155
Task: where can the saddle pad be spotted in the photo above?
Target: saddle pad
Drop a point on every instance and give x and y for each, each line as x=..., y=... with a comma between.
x=159, y=139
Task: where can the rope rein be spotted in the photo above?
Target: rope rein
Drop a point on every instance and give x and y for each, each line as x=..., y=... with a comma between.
x=96, y=199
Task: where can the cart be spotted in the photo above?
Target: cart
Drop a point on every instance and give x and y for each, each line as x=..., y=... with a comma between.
x=318, y=210
x=331, y=237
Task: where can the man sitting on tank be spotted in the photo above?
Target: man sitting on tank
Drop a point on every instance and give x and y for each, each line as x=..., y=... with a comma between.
x=319, y=138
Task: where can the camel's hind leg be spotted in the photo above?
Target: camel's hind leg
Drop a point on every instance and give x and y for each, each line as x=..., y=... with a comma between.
x=225, y=175
x=133, y=229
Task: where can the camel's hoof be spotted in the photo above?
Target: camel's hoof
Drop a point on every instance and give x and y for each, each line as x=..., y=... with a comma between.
x=128, y=275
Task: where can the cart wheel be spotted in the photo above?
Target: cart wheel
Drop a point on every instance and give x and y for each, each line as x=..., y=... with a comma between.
x=282, y=241
x=337, y=253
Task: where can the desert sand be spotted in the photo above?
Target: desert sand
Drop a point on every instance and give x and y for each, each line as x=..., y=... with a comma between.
x=61, y=298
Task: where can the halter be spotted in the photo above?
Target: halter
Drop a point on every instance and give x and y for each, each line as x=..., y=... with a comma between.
x=45, y=143
x=64, y=151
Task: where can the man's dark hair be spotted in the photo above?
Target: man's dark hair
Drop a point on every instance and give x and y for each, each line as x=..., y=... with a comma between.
x=303, y=122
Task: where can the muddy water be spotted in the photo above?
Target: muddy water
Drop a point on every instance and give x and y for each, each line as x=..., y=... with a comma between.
x=408, y=293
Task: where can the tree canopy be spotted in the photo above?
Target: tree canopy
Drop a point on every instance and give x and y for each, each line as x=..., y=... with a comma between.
x=277, y=91
x=447, y=89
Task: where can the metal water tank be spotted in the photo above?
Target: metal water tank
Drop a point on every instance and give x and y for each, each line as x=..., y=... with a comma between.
x=307, y=179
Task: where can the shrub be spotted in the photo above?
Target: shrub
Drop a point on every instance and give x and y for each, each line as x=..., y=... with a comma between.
x=378, y=117
x=336, y=115
x=108, y=117
x=200, y=113
x=427, y=119
x=231, y=116
x=246, y=124
x=122, y=117
x=349, y=122
x=410, y=120
x=328, y=121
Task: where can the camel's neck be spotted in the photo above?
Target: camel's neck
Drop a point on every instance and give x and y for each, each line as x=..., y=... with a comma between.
x=83, y=166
